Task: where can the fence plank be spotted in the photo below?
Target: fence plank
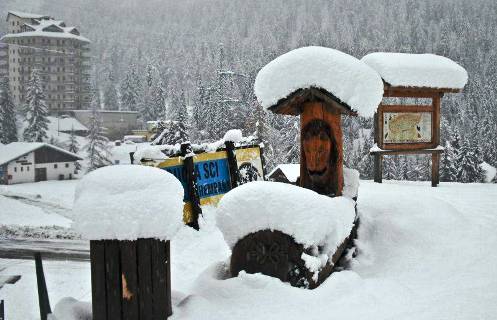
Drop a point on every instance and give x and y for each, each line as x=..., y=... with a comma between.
x=98, y=289
x=144, y=254
x=42, y=288
x=232, y=164
x=2, y=310
x=113, y=280
x=161, y=286
x=129, y=274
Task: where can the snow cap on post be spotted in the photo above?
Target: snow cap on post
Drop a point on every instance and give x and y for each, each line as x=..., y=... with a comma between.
x=310, y=218
x=128, y=202
x=417, y=70
x=327, y=72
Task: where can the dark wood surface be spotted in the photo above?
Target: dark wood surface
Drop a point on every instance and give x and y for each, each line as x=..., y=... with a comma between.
x=43, y=300
x=191, y=179
x=131, y=279
x=232, y=164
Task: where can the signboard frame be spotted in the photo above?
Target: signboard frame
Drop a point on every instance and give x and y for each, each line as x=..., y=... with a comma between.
x=401, y=109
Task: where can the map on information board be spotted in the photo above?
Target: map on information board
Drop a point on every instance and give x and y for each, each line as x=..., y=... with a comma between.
x=407, y=127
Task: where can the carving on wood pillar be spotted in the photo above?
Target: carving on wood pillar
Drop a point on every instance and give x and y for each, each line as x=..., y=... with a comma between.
x=321, y=156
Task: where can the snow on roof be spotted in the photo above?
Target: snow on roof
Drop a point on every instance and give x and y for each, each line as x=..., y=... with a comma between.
x=293, y=210
x=417, y=70
x=15, y=150
x=290, y=170
x=26, y=15
x=65, y=124
x=128, y=202
x=40, y=33
x=345, y=77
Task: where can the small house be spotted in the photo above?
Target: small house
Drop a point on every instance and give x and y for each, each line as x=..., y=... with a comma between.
x=286, y=173
x=22, y=162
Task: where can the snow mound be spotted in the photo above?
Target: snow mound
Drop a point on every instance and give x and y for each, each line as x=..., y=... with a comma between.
x=71, y=309
x=128, y=202
x=417, y=70
x=234, y=135
x=311, y=218
x=350, y=182
x=347, y=78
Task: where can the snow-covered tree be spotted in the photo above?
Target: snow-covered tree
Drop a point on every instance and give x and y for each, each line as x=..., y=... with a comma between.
x=8, y=128
x=35, y=111
x=468, y=162
x=111, y=100
x=131, y=90
x=73, y=146
x=97, y=147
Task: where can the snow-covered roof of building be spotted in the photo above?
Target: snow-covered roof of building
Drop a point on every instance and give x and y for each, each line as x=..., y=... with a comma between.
x=42, y=28
x=290, y=170
x=15, y=150
x=417, y=70
x=26, y=15
x=65, y=124
x=348, y=79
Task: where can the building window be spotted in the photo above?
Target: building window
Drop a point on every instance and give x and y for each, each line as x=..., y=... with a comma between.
x=67, y=165
x=27, y=168
x=15, y=169
x=22, y=169
x=55, y=166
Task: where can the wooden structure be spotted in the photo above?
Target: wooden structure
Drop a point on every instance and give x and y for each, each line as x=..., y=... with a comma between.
x=130, y=279
x=416, y=129
x=321, y=140
x=43, y=300
x=272, y=252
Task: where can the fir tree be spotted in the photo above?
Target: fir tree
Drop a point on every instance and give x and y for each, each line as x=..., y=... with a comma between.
x=469, y=169
x=35, y=111
x=182, y=119
x=130, y=90
x=74, y=148
x=97, y=147
x=111, y=100
x=8, y=129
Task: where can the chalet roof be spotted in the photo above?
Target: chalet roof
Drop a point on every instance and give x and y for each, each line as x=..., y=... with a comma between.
x=26, y=15
x=290, y=170
x=65, y=124
x=15, y=150
x=427, y=71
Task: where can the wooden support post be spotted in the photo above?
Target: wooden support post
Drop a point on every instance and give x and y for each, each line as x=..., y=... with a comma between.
x=191, y=178
x=2, y=310
x=131, y=280
x=42, y=288
x=435, y=165
x=378, y=167
x=232, y=164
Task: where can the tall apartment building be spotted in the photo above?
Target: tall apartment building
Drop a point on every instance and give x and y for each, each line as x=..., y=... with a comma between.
x=58, y=52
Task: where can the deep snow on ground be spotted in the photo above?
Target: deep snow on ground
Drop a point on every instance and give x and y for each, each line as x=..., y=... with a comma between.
x=424, y=253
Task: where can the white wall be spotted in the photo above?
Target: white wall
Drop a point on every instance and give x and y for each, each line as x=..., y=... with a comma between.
x=26, y=174
x=53, y=173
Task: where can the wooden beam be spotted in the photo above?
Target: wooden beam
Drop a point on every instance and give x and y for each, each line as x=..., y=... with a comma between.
x=435, y=167
x=415, y=92
x=396, y=152
x=378, y=168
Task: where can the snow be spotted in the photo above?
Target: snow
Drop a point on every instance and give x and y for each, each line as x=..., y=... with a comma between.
x=233, y=135
x=344, y=76
x=27, y=15
x=65, y=124
x=128, y=202
x=417, y=70
x=350, y=182
x=376, y=148
x=290, y=170
x=411, y=264
x=490, y=171
x=261, y=205
x=71, y=309
x=15, y=150
x=16, y=213
x=40, y=33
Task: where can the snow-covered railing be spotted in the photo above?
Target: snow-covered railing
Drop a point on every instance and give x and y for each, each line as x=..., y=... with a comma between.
x=129, y=213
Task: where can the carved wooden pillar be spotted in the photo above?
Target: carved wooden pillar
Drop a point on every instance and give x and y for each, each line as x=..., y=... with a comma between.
x=321, y=145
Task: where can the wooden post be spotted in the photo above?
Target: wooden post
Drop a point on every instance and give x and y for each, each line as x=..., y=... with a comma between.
x=321, y=156
x=191, y=178
x=232, y=164
x=131, y=280
x=378, y=167
x=42, y=288
x=2, y=311
x=435, y=165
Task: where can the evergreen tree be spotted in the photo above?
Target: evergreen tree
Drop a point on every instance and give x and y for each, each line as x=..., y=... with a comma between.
x=111, y=101
x=469, y=169
x=74, y=148
x=8, y=128
x=35, y=111
x=130, y=90
x=182, y=119
x=448, y=171
x=97, y=147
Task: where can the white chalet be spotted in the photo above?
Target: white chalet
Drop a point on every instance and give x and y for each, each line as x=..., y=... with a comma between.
x=35, y=161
